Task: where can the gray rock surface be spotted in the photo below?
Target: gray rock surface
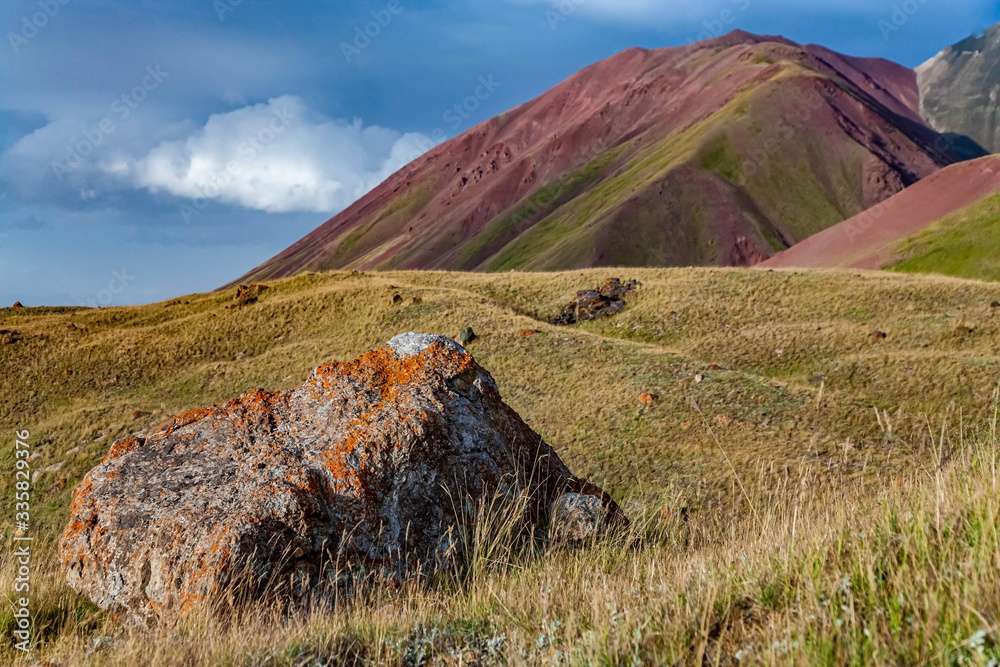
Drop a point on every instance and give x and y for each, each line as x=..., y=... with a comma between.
x=410, y=343
x=577, y=517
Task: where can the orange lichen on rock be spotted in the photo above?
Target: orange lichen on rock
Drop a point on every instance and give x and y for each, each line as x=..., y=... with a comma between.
x=122, y=447
x=82, y=521
x=382, y=370
x=335, y=462
x=171, y=425
x=365, y=459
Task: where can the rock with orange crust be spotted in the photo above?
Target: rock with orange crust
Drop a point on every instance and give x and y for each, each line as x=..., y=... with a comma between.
x=375, y=466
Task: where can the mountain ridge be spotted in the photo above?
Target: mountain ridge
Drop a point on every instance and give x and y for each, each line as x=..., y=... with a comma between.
x=652, y=157
x=960, y=89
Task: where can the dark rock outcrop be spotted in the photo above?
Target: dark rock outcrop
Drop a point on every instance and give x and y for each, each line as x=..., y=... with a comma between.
x=373, y=467
x=593, y=304
x=247, y=294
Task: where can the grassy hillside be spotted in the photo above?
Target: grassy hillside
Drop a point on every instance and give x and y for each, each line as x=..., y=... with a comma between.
x=801, y=452
x=966, y=244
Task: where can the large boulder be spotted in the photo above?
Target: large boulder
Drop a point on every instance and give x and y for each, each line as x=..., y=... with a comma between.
x=373, y=467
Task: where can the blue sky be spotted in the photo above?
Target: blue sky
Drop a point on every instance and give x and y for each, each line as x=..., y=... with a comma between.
x=150, y=149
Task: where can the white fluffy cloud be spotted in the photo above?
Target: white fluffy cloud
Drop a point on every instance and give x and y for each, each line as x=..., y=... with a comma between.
x=276, y=157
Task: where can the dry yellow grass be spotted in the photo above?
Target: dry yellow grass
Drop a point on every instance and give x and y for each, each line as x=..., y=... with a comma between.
x=792, y=488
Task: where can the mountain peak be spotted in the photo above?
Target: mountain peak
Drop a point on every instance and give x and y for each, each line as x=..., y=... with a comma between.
x=694, y=155
x=960, y=90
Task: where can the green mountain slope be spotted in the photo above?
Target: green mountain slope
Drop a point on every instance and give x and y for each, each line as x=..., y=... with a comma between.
x=965, y=244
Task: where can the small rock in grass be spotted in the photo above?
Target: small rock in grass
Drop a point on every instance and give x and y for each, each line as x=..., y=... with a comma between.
x=56, y=467
x=577, y=517
x=55, y=489
x=247, y=294
x=466, y=336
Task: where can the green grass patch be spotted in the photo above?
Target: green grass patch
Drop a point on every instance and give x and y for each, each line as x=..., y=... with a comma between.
x=965, y=244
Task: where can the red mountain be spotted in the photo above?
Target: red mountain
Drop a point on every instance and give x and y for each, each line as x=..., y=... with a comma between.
x=718, y=153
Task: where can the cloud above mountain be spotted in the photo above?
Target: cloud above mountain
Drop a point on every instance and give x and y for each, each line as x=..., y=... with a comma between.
x=277, y=157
